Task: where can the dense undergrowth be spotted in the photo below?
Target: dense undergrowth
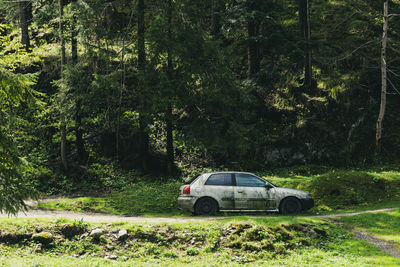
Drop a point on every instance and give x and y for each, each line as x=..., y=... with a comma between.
x=288, y=240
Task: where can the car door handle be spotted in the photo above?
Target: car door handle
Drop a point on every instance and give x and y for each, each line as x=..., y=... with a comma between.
x=240, y=191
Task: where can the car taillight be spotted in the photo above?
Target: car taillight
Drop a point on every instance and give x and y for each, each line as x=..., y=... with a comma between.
x=186, y=190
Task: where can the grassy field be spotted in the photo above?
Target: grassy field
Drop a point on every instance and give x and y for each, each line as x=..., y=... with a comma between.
x=333, y=190
x=385, y=225
x=276, y=240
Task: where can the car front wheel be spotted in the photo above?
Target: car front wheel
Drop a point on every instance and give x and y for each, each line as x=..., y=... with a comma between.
x=206, y=206
x=290, y=205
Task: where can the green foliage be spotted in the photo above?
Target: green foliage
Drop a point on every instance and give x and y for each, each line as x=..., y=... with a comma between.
x=195, y=79
x=338, y=189
x=14, y=170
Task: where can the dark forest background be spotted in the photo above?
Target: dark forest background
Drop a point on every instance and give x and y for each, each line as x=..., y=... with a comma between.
x=168, y=86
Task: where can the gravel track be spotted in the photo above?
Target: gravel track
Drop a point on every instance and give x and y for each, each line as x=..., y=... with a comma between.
x=106, y=218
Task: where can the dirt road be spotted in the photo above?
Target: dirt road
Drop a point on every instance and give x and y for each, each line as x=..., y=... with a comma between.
x=106, y=218
x=98, y=217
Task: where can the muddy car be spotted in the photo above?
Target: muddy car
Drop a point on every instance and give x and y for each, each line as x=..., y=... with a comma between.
x=240, y=191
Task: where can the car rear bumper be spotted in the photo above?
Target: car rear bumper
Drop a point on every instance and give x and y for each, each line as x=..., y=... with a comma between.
x=186, y=203
x=307, y=203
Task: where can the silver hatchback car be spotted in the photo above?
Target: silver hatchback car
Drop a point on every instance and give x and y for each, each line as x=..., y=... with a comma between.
x=240, y=191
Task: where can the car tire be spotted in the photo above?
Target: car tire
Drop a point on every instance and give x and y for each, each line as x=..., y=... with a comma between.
x=290, y=205
x=205, y=206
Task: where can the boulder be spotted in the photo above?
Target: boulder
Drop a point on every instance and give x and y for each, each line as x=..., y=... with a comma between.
x=44, y=238
x=96, y=233
x=122, y=235
x=69, y=230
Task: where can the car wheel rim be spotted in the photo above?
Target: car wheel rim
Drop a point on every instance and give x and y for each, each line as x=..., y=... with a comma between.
x=291, y=206
x=206, y=206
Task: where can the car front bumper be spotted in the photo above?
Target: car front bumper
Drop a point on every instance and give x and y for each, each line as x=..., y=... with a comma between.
x=186, y=203
x=307, y=203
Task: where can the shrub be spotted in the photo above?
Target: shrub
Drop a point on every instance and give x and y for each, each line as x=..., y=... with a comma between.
x=337, y=189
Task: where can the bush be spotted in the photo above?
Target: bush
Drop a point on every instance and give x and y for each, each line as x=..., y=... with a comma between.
x=337, y=189
x=142, y=197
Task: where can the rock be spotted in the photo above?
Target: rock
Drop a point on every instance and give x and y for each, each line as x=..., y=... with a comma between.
x=78, y=204
x=69, y=230
x=44, y=238
x=96, y=233
x=84, y=235
x=320, y=232
x=113, y=257
x=38, y=248
x=122, y=235
x=109, y=247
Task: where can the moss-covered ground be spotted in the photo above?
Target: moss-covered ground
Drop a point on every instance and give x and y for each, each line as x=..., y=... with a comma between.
x=281, y=240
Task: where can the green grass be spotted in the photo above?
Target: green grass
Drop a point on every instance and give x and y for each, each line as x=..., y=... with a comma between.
x=383, y=225
x=279, y=240
x=333, y=191
x=344, y=189
x=143, y=198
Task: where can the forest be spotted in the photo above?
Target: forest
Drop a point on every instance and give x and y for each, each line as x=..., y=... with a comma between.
x=116, y=88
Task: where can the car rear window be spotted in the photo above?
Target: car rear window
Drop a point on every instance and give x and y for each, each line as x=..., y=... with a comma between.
x=220, y=179
x=194, y=179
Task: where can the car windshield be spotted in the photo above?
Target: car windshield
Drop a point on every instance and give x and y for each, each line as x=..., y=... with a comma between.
x=267, y=181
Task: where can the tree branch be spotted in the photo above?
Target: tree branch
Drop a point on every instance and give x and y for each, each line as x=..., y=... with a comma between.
x=358, y=48
x=394, y=87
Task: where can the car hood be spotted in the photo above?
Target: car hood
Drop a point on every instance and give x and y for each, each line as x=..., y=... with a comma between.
x=292, y=192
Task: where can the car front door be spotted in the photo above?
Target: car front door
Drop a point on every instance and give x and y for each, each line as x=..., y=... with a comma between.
x=251, y=193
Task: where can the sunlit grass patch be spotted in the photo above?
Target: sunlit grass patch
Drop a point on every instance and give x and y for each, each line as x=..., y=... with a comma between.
x=383, y=225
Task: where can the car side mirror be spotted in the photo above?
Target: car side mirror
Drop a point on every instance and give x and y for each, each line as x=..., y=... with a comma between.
x=268, y=186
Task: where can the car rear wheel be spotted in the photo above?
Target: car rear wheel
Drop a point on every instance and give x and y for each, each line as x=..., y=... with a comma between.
x=206, y=206
x=290, y=205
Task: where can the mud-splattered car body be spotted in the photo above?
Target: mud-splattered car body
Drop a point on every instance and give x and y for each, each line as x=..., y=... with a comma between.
x=240, y=191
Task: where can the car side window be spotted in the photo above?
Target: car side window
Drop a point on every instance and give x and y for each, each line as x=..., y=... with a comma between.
x=220, y=179
x=248, y=180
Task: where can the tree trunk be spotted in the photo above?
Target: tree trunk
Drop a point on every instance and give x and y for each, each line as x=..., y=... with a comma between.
x=121, y=92
x=74, y=41
x=63, y=131
x=143, y=135
x=253, y=54
x=170, y=141
x=61, y=31
x=63, y=146
x=25, y=15
x=215, y=20
x=383, y=76
x=170, y=137
x=305, y=31
x=80, y=146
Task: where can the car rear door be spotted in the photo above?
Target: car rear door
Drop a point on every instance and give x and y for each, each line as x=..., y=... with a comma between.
x=250, y=192
x=220, y=187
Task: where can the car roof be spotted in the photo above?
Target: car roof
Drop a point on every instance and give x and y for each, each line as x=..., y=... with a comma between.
x=228, y=172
